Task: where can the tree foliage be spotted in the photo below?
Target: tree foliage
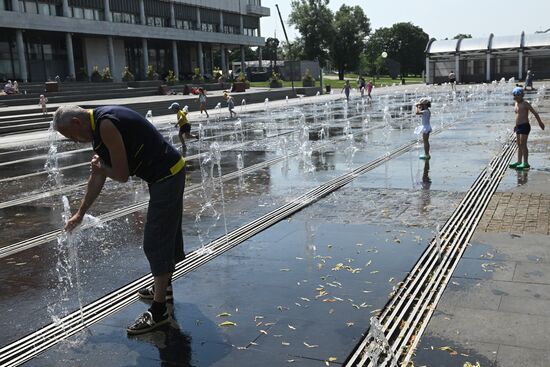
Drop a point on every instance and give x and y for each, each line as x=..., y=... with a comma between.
x=235, y=54
x=351, y=28
x=313, y=19
x=462, y=35
x=403, y=42
x=294, y=50
x=270, y=50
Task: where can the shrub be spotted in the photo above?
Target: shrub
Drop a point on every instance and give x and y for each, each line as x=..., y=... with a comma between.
x=151, y=74
x=96, y=75
x=82, y=74
x=127, y=75
x=171, y=78
x=275, y=80
x=197, y=77
x=216, y=72
x=106, y=74
x=307, y=76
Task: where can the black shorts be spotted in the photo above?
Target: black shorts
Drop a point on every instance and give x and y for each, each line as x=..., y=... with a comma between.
x=452, y=80
x=523, y=129
x=186, y=128
x=163, y=238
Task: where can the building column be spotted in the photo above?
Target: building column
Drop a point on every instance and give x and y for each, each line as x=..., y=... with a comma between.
x=428, y=76
x=107, y=10
x=201, y=58
x=66, y=9
x=457, y=67
x=260, y=55
x=142, y=12
x=224, y=64
x=21, y=55
x=145, y=56
x=242, y=60
x=241, y=25
x=488, y=68
x=70, y=55
x=520, y=65
x=111, y=55
x=221, y=21
x=175, y=59
x=172, y=16
x=198, y=18
x=15, y=5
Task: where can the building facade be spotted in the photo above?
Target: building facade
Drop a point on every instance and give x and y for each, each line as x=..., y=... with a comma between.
x=41, y=39
x=488, y=59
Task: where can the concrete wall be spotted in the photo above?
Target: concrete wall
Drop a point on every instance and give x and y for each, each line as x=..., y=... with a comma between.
x=95, y=53
x=120, y=59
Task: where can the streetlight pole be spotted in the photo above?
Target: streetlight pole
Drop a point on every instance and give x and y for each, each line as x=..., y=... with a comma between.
x=284, y=30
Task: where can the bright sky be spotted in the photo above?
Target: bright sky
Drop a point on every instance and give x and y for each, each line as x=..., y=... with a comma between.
x=438, y=18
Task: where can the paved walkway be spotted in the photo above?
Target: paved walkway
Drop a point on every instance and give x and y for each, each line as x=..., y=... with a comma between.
x=496, y=310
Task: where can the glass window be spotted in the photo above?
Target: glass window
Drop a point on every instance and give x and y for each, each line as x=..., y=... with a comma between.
x=44, y=9
x=78, y=13
x=89, y=14
x=48, y=51
x=31, y=7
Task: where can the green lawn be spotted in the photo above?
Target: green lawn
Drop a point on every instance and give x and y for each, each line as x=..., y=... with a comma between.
x=339, y=84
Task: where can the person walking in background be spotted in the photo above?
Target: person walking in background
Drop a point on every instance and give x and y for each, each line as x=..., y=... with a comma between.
x=126, y=144
x=184, y=125
x=523, y=128
x=42, y=103
x=423, y=108
x=529, y=80
x=370, y=85
x=452, y=79
x=362, y=85
x=202, y=101
x=230, y=104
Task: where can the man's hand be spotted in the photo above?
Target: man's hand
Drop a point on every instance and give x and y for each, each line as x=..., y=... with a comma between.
x=73, y=222
x=96, y=166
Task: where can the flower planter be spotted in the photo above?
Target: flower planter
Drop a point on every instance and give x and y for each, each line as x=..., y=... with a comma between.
x=308, y=83
x=238, y=87
x=276, y=84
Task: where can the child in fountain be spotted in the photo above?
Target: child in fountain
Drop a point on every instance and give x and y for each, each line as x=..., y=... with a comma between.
x=202, y=101
x=522, y=128
x=347, y=89
x=423, y=108
x=184, y=125
x=42, y=103
x=126, y=144
x=230, y=104
x=369, y=89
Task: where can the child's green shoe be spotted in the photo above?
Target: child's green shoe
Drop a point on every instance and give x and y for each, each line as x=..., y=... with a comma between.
x=523, y=166
x=514, y=165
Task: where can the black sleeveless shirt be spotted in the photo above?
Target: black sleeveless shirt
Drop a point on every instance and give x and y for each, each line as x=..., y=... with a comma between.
x=149, y=156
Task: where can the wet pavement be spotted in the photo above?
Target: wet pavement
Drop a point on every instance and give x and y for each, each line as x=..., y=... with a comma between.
x=272, y=284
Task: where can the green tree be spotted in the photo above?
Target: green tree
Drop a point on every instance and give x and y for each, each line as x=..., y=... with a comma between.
x=351, y=27
x=462, y=35
x=403, y=42
x=294, y=50
x=270, y=49
x=235, y=54
x=313, y=19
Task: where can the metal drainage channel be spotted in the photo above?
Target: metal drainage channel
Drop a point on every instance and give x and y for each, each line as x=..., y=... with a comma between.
x=31, y=345
x=50, y=236
x=413, y=303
